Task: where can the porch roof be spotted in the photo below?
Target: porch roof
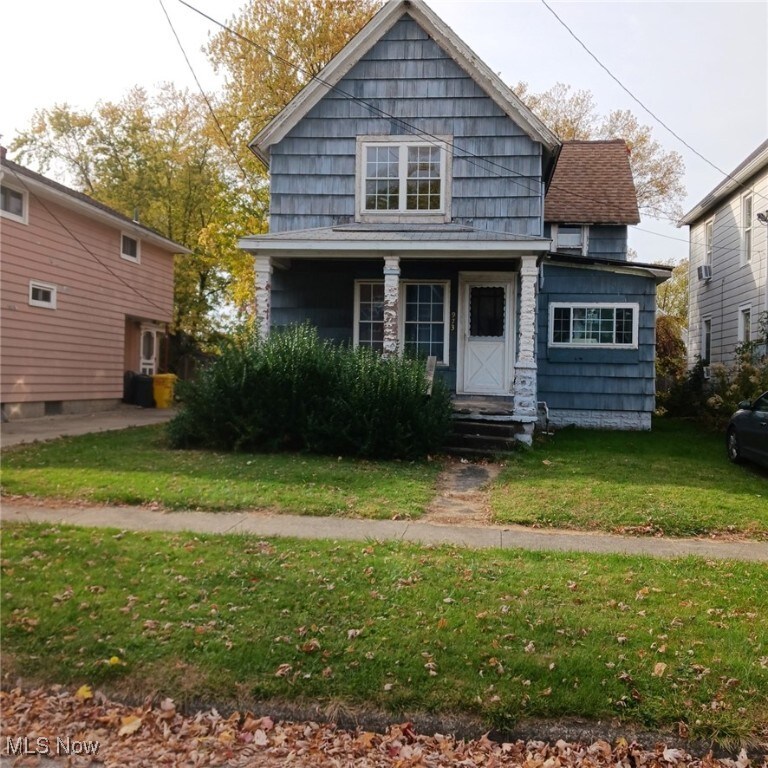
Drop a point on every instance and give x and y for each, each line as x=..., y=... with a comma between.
x=347, y=240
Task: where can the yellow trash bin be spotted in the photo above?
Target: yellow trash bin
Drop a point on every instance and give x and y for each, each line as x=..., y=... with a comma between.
x=162, y=388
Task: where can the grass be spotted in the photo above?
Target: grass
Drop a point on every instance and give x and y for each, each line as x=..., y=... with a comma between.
x=401, y=628
x=673, y=480
x=135, y=466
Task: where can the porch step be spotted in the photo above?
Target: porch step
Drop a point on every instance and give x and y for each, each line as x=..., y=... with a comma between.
x=483, y=437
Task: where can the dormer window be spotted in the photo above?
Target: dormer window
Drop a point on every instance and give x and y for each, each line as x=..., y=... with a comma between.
x=402, y=179
x=570, y=238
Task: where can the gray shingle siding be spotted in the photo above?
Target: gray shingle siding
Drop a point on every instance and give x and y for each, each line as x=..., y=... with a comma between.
x=496, y=166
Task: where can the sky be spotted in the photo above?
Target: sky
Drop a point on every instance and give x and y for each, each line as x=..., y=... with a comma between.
x=701, y=68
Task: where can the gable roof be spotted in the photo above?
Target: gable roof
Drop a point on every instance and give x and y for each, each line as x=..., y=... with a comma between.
x=592, y=184
x=365, y=39
x=42, y=187
x=754, y=163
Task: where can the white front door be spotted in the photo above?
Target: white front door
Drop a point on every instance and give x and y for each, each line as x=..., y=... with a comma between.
x=486, y=333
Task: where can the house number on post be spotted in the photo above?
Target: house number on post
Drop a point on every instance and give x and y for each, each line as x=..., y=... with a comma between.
x=453, y=321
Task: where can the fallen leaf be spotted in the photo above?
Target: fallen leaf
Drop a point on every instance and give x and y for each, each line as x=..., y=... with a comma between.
x=84, y=692
x=131, y=724
x=659, y=669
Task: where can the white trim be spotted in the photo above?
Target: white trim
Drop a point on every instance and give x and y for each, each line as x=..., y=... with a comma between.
x=24, y=218
x=747, y=227
x=43, y=287
x=503, y=279
x=365, y=39
x=442, y=143
x=709, y=241
x=635, y=307
x=706, y=322
x=135, y=259
x=743, y=309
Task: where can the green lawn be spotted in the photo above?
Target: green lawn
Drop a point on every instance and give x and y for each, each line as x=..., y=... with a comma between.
x=135, y=466
x=401, y=628
x=673, y=480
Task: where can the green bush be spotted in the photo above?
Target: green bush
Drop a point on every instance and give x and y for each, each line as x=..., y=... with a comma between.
x=296, y=392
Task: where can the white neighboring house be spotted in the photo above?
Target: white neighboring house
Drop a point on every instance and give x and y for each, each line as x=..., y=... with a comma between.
x=728, y=272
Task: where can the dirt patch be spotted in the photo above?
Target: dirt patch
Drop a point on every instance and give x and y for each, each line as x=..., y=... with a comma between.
x=463, y=495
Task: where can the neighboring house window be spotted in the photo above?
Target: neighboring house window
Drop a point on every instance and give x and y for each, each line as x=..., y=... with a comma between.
x=42, y=295
x=402, y=178
x=591, y=325
x=746, y=223
x=13, y=204
x=424, y=317
x=745, y=324
x=709, y=228
x=706, y=341
x=130, y=248
x=571, y=238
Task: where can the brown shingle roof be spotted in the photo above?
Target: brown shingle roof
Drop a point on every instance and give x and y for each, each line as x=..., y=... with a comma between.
x=592, y=184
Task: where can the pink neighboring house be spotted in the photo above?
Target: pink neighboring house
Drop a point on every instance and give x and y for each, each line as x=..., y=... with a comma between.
x=86, y=295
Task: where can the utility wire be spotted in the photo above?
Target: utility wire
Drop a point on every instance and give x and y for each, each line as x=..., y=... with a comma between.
x=637, y=100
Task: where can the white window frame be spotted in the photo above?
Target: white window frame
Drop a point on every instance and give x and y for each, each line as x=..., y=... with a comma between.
x=747, y=227
x=24, y=218
x=706, y=332
x=33, y=284
x=709, y=239
x=582, y=247
x=403, y=215
x=148, y=366
x=593, y=305
x=745, y=328
x=135, y=259
x=401, y=315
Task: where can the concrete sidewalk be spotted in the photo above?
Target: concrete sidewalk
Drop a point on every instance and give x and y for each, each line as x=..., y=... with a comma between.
x=51, y=427
x=264, y=524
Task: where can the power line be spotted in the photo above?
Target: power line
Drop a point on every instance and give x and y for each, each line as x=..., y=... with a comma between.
x=637, y=100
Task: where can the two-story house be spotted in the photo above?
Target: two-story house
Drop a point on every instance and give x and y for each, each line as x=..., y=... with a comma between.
x=728, y=267
x=86, y=295
x=418, y=206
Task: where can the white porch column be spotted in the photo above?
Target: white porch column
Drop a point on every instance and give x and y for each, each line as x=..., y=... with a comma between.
x=524, y=386
x=391, y=306
x=263, y=303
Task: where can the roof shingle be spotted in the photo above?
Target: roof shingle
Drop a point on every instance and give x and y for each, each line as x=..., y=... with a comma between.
x=592, y=184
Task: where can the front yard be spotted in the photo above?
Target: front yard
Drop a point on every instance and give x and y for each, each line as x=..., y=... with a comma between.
x=233, y=620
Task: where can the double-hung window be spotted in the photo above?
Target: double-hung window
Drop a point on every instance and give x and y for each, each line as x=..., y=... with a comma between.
x=708, y=241
x=42, y=295
x=571, y=238
x=745, y=324
x=746, y=228
x=13, y=204
x=402, y=179
x=593, y=325
x=424, y=316
x=130, y=248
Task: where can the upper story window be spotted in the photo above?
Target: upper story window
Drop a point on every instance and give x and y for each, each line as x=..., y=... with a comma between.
x=402, y=179
x=42, y=295
x=13, y=204
x=593, y=325
x=130, y=248
x=709, y=229
x=746, y=224
x=570, y=238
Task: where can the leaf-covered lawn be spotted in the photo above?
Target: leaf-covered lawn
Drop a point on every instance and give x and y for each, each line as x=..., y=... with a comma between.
x=673, y=480
x=503, y=635
x=135, y=466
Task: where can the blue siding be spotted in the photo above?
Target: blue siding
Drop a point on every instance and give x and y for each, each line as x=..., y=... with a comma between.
x=605, y=242
x=597, y=379
x=496, y=166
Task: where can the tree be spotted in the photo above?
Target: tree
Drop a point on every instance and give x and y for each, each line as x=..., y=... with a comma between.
x=572, y=115
x=155, y=158
x=672, y=295
x=278, y=47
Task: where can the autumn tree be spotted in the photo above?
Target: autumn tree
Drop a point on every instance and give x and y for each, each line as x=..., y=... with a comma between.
x=572, y=115
x=156, y=158
x=672, y=295
x=277, y=47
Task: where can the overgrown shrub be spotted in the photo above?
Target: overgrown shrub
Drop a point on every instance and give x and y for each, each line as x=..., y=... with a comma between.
x=297, y=392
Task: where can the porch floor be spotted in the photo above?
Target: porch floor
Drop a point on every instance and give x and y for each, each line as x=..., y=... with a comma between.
x=490, y=408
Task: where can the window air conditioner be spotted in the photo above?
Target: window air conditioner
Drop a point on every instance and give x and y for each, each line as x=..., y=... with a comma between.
x=705, y=272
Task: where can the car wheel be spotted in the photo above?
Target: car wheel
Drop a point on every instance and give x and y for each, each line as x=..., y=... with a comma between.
x=732, y=446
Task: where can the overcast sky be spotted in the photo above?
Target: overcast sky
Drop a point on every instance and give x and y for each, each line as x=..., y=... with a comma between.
x=701, y=67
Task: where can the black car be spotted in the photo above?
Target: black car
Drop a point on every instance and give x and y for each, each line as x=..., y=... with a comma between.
x=747, y=436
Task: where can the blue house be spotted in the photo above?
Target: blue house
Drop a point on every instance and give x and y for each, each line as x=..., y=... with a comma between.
x=418, y=206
